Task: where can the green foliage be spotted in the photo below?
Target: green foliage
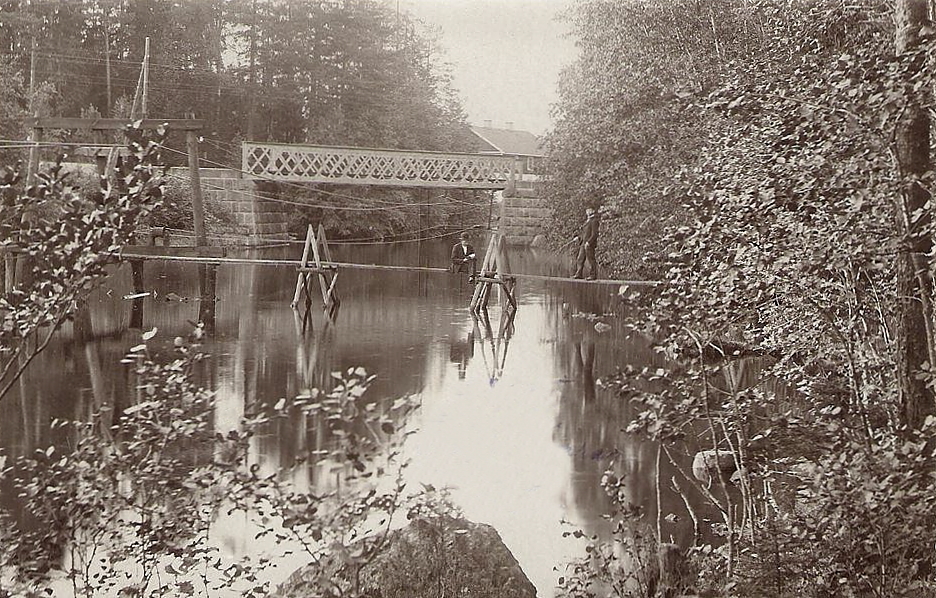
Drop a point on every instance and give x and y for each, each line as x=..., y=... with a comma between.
x=175, y=210
x=623, y=565
x=131, y=502
x=65, y=243
x=795, y=225
x=625, y=128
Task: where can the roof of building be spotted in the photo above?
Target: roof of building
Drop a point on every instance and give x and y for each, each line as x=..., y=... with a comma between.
x=509, y=141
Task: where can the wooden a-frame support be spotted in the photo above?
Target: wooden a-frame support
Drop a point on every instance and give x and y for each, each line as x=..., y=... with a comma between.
x=495, y=270
x=327, y=274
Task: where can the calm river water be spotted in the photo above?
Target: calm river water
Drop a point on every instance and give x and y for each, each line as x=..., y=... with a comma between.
x=521, y=430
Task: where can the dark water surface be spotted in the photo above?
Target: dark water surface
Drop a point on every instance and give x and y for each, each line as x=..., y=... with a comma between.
x=521, y=429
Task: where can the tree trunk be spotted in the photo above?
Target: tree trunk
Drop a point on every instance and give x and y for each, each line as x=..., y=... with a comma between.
x=914, y=284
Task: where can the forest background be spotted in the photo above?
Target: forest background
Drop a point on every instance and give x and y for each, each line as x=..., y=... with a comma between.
x=331, y=73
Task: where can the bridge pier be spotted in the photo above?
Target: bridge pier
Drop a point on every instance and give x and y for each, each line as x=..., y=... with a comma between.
x=523, y=217
x=260, y=219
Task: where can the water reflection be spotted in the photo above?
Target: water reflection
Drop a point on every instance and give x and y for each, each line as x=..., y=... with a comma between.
x=461, y=352
x=522, y=432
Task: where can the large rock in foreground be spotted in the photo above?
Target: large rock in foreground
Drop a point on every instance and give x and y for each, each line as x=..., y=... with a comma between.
x=429, y=558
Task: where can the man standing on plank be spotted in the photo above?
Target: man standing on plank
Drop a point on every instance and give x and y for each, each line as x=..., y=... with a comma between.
x=588, y=237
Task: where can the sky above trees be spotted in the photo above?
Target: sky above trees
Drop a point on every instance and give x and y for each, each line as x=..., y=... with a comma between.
x=506, y=55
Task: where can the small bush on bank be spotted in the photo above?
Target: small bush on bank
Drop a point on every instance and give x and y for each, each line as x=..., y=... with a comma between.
x=176, y=211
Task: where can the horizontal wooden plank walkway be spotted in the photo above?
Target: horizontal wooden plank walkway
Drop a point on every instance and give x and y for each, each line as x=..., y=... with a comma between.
x=133, y=255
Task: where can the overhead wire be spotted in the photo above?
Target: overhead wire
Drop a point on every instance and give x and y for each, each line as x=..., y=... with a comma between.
x=373, y=97
x=23, y=144
x=134, y=63
x=324, y=206
x=362, y=240
x=303, y=203
x=379, y=240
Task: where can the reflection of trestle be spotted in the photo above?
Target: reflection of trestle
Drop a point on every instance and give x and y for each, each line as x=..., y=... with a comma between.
x=495, y=270
x=313, y=355
x=327, y=275
x=498, y=344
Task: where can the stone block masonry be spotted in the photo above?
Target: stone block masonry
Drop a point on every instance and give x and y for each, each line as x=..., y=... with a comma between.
x=523, y=218
x=259, y=219
x=523, y=215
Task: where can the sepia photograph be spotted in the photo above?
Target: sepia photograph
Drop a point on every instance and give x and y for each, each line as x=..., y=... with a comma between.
x=467, y=299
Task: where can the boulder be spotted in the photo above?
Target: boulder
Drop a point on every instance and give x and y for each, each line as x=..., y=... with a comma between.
x=706, y=464
x=430, y=557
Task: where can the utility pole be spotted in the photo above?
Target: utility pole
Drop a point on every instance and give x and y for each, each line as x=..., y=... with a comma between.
x=33, y=164
x=252, y=76
x=107, y=68
x=32, y=75
x=146, y=57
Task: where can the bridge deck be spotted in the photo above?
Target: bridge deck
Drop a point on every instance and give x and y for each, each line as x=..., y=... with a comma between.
x=364, y=166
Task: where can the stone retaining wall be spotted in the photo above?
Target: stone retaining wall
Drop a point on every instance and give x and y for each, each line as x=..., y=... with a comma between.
x=259, y=219
x=523, y=215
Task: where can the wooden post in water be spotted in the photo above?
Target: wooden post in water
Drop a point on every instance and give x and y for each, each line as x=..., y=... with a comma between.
x=303, y=263
x=503, y=272
x=206, y=275
x=23, y=272
x=136, y=306
x=317, y=245
x=198, y=210
x=477, y=298
x=206, y=307
x=495, y=269
x=330, y=297
x=317, y=256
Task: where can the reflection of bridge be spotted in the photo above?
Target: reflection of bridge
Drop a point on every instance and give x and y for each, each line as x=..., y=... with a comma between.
x=361, y=166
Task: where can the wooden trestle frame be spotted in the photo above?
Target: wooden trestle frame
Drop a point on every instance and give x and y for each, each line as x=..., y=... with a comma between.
x=327, y=273
x=495, y=270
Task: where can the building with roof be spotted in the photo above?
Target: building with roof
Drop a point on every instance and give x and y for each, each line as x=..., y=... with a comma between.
x=523, y=210
x=511, y=142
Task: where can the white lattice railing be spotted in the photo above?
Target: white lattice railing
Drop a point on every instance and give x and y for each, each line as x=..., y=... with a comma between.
x=359, y=166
